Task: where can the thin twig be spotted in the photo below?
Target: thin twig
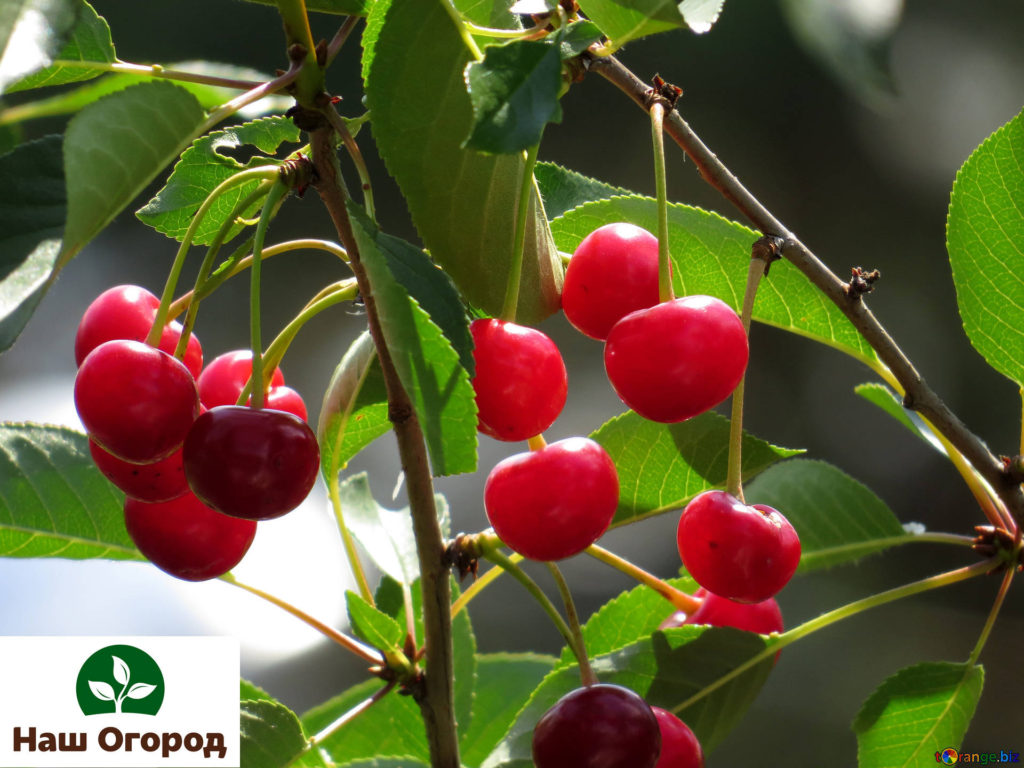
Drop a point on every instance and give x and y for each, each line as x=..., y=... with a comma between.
x=919, y=396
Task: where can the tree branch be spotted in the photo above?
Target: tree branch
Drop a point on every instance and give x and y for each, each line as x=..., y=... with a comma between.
x=437, y=699
x=918, y=395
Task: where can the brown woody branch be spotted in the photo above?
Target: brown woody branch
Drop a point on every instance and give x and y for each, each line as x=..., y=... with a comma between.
x=918, y=395
x=436, y=700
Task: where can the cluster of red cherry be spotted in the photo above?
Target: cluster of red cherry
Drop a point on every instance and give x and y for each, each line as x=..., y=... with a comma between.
x=198, y=471
x=668, y=361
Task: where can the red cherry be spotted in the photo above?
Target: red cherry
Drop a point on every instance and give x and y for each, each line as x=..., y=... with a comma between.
x=613, y=272
x=187, y=539
x=597, y=726
x=156, y=482
x=679, y=747
x=676, y=359
x=127, y=312
x=286, y=399
x=224, y=378
x=251, y=463
x=763, y=618
x=555, y=502
x=520, y=379
x=136, y=402
x=745, y=553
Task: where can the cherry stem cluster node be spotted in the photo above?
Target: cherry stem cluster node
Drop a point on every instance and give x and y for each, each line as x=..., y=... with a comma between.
x=678, y=598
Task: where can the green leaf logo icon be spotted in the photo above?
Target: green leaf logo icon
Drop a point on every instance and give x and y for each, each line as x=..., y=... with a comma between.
x=120, y=678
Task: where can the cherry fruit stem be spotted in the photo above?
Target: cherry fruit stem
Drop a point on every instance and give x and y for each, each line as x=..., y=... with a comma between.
x=657, y=114
x=678, y=598
x=276, y=194
x=734, y=476
x=587, y=676
x=511, y=304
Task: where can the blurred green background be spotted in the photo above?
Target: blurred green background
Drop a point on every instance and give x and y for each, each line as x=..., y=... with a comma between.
x=861, y=174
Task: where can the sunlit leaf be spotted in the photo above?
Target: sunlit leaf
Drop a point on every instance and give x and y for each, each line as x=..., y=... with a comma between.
x=886, y=399
x=31, y=34
x=985, y=240
x=563, y=189
x=272, y=737
x=916, y=713
x=376, y=628
x=625, y=20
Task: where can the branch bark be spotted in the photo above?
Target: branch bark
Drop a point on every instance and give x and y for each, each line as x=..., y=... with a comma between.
x=436, y=700
x=918, y=395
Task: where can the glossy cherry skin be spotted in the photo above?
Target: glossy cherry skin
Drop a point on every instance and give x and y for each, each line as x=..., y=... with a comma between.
x=136, y=402
x=555, y=502
x=744, y=553
x=251, y=463
x=127, y=312
x=613, y=272
x=187, y=539
x=679, y=747
x=763, y=618
x=520, y=380
x=224, y=377
x=156, y=482
x=676, y=359
x=597, y=726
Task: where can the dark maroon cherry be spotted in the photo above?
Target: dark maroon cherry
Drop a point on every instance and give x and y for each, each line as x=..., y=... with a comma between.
x=613, y=272
x=155, y=482
x=679, y=747
x=676, y=359
x=743, y=552
x=597, y=726
x=127, y=312
x=555, y=502
x=251, y=463
x=135, y=401
x=520, y=379
x=187, y=539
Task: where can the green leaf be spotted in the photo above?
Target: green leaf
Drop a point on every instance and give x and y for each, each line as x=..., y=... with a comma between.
x=31, y=34
x=917, y=712
x=985, y=240
x=432, y=289
x=426, y=362
x=54, y=502
x=888, y=401
x=578, y=36
x=854, y=46
x=355, y=408
x=504, y=683
x=392, y=727
x=390, y=600
x=625, y=20
x=488, y=13
x=208, y=96
x=562, y=189
x=341, y=7
x=208, y=163
x=32, y=211
x=272, y=737
x=662, y=466
x=386, y=535
x=631, y=616
x=462, y=202
x=90, y=42
x=115, y=147
x=514, y=92
x=248, y=691
x=387, y=762
x=838, y=519
x=710, y=256
x=376, y=628
x=667, y=669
